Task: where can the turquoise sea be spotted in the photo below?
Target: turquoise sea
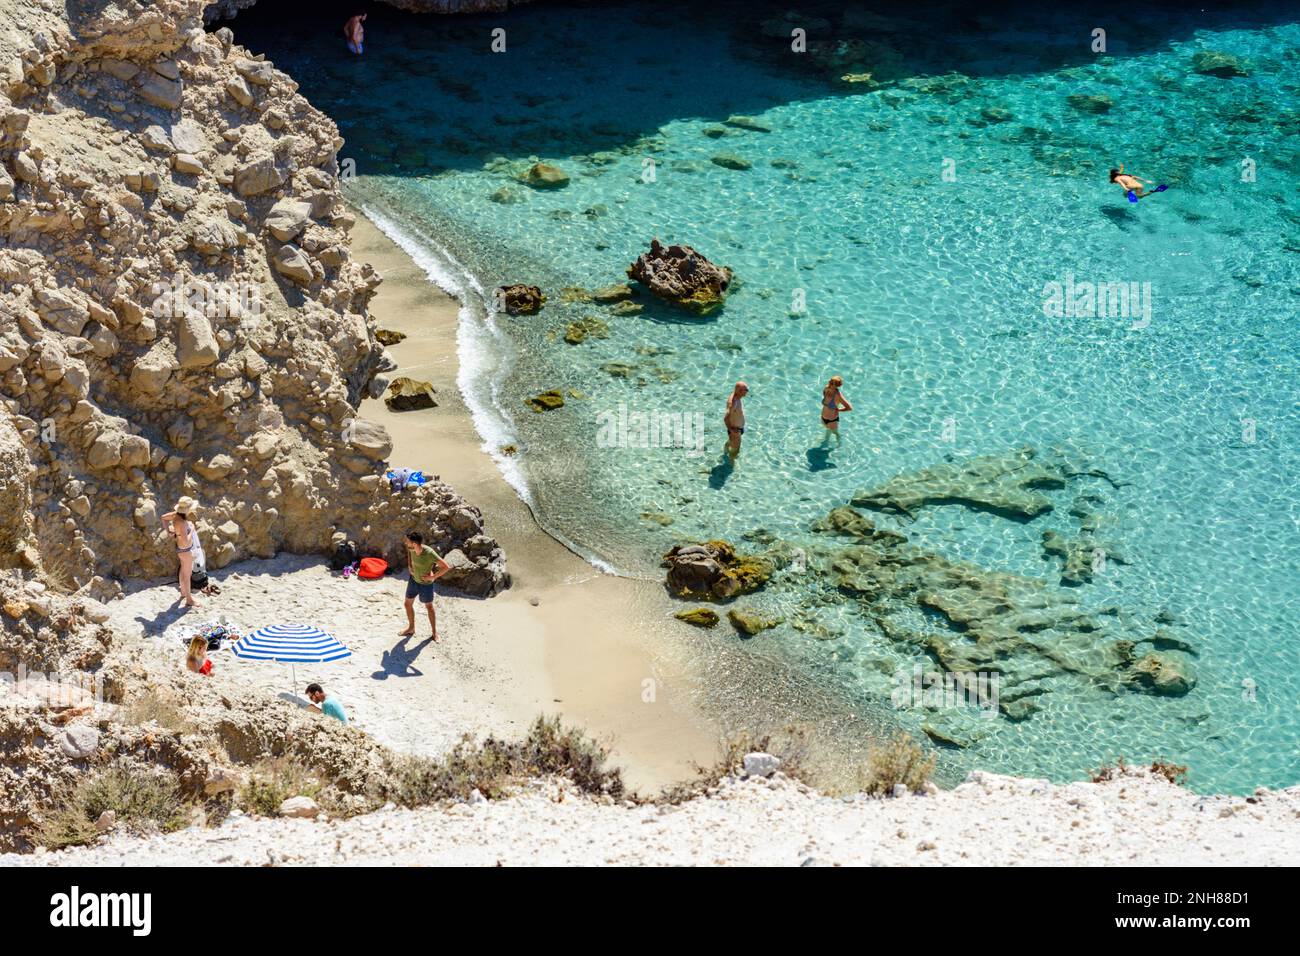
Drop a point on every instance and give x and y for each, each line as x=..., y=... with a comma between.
x=901, y=232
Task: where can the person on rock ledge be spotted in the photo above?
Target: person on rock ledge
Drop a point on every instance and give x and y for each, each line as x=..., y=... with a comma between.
x=420, y=561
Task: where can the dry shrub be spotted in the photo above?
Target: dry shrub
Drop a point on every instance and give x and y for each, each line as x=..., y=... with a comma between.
x=274, y=781
x=898, y=760
x=142, y=800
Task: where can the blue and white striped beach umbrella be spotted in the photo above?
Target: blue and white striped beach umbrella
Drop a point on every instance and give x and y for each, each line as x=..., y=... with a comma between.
x=291, y=644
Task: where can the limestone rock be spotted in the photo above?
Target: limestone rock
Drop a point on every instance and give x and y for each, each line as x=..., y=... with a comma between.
x=714, y=570
x=520, y=299
x=288, y=218
x=304, y=808
x=682, y=276
x=196, y=345
x=406, y=394
x=257, y=176
x=544, y=176
x=292, y=263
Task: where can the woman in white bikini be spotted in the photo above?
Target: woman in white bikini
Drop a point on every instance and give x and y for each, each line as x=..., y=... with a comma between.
x=188, y=549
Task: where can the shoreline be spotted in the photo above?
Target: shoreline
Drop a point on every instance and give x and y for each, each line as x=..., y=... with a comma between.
x=594, y=629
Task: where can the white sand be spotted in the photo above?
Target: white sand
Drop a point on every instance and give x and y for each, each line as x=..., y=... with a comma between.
x=411, y=694
x=990, y=820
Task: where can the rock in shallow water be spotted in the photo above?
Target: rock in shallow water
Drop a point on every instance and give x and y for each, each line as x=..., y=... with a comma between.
x=682, y=276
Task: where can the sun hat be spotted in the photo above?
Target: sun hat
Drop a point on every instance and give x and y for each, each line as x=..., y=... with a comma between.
x=185, y=505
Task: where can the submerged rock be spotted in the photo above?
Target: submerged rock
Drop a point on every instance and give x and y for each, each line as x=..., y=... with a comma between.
x=1003, y=484
x=714, y=571
x=407, y=394
x=699, y=617
x=1099, y=103
x=682, y=276
x=1163, y=673
x=546, y=401
x=1215, y=63
x=520, y=299
x=747, y=122
x=545, y=176
x=750, y=622
x=578, y=332
x=731, y=161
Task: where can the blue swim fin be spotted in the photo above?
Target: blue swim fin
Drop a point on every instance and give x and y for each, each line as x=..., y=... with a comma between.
x=1132, y=196
x=1161, y=188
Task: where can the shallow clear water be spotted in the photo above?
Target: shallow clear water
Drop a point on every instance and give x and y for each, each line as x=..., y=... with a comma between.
x=925, y=292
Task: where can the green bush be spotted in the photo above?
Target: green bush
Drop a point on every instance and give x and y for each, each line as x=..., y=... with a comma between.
x=274, y=781
x=141, y=800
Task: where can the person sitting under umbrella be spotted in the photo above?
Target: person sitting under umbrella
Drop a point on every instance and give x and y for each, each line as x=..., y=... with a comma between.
x=322, y=704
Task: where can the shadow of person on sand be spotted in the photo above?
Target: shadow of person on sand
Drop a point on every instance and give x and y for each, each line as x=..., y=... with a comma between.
x=157, y=625
x=400, y=661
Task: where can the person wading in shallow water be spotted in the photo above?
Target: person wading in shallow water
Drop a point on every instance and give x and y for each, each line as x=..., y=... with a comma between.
x=355, y=33
x=735, y=419
x=420, y=561
x=832, y=404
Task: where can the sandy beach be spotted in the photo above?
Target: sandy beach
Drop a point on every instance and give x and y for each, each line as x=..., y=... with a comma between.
x=566, y=638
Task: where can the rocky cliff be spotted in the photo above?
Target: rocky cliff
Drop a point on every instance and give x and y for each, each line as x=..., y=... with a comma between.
x=179, y=310
x=225, y=9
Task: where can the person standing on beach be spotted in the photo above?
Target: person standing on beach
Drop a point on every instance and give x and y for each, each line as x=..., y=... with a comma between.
x=188, y=549
x=355, y=34
x=735, y=418
x=832, y=404
x=421, y=561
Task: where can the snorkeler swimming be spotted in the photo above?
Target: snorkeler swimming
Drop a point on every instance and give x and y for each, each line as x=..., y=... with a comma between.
x=1134, y=186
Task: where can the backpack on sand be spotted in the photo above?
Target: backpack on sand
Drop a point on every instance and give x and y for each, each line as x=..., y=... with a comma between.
x=372, y=568
x=344, y=554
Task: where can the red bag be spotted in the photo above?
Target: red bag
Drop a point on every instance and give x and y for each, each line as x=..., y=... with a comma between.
x=371, y=568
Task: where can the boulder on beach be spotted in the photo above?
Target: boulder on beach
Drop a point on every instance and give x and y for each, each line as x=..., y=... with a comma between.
x=408, y=394
x=388, y=336
x=682, y=276
x=714, y=571
x=520, y=299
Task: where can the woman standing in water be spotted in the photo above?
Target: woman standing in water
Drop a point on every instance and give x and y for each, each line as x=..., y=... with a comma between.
x=832, y=404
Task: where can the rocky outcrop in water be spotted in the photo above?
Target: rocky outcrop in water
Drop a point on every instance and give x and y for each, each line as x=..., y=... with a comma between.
x=680, y=275
x=181, y=312
x=714, y=571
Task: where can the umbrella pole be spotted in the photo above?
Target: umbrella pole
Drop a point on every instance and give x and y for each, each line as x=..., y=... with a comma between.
x=293, y=676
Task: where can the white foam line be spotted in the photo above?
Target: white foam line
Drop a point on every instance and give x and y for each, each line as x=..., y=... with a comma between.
x=484, y=352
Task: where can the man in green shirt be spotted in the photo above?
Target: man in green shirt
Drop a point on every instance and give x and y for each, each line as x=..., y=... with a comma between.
x=421, y=561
